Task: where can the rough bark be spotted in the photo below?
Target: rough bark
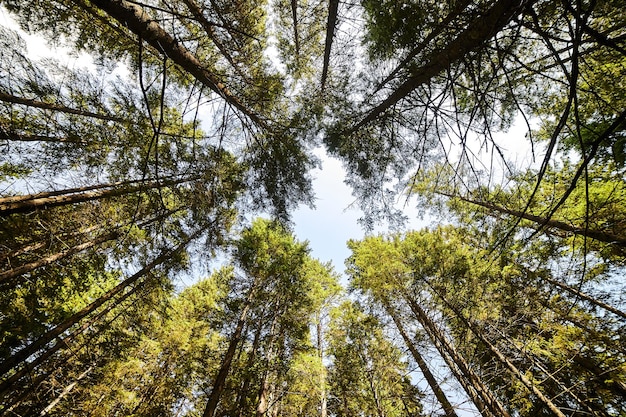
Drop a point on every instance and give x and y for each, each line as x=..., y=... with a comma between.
x=430, y=378
x=483, y=28
x=32, y=202
x=141, y=24
x=8, y=98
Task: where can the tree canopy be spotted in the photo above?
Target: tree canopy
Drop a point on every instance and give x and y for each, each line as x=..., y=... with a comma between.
x=181, y=151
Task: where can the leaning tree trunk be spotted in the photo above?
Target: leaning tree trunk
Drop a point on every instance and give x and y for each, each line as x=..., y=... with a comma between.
x=220, y=380
x=59, y=329
x=32, y=202
x=8, y=98
x=430, y=378
x=521, y=376
x=481, y=395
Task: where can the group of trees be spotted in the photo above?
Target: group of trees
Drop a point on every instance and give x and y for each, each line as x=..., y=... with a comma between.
x=197, y=115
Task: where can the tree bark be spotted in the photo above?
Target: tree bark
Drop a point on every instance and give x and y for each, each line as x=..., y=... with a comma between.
x=8, y=98
x=31, y=202
x=141, y=24
x=479, y=31
x=333, y=6
x=430, y=378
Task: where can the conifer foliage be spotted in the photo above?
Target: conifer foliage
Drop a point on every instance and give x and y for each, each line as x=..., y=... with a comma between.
x=128, y=175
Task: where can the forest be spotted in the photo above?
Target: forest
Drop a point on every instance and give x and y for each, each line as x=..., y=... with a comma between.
x=191, y=138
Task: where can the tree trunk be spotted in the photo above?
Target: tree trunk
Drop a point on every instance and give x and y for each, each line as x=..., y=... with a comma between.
x=8, y=98
x=59, y=329
x=320, y=354
x=333, y=6
x=220, y=379
x=31, y=202
x=65, y=392
x=593, y=234
x=501, y=357
x=483, y=28
x=264, y=390
x=430, y=378
x=47, y=260
x=242, y=401
x=486, y=403
x=141, y=24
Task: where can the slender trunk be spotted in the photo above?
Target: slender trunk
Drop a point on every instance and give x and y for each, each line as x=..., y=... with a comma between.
x=141, y=24
x=430, y=378
x=322, y=382
x=585, y=296
x=32, y=202
x=481, y=395
x=24, y=137
x=333, y=6
x=38, y=245
x=47, y=260
x=483, y=28
x=65, y=392
x=59, y=329
x=8, y=98
x=242, y=401
x=264, y=390
x=61, y=344
x=294, y=19
x=593, y=234
x=220, y=380
x=521, y=376
x=614, y=384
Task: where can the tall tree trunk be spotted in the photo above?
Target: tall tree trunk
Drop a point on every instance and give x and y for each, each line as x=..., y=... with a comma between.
x=65, y=392
x=47, y=260
x=480, y=30
x=481, y=395
x=333, y=6
x=8, y=98
x=220, y=379
x=59, y=329
x=430, y=378
x=264, y=389
x=590, y=233
x=141, y=24
x=320, y=355
x=242, y=399
x=32, y=202
x=60, y=344
x=584, y=296
x=521, y=376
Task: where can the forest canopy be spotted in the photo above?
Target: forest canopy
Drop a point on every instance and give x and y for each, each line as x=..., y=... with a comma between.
x=191, y=139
